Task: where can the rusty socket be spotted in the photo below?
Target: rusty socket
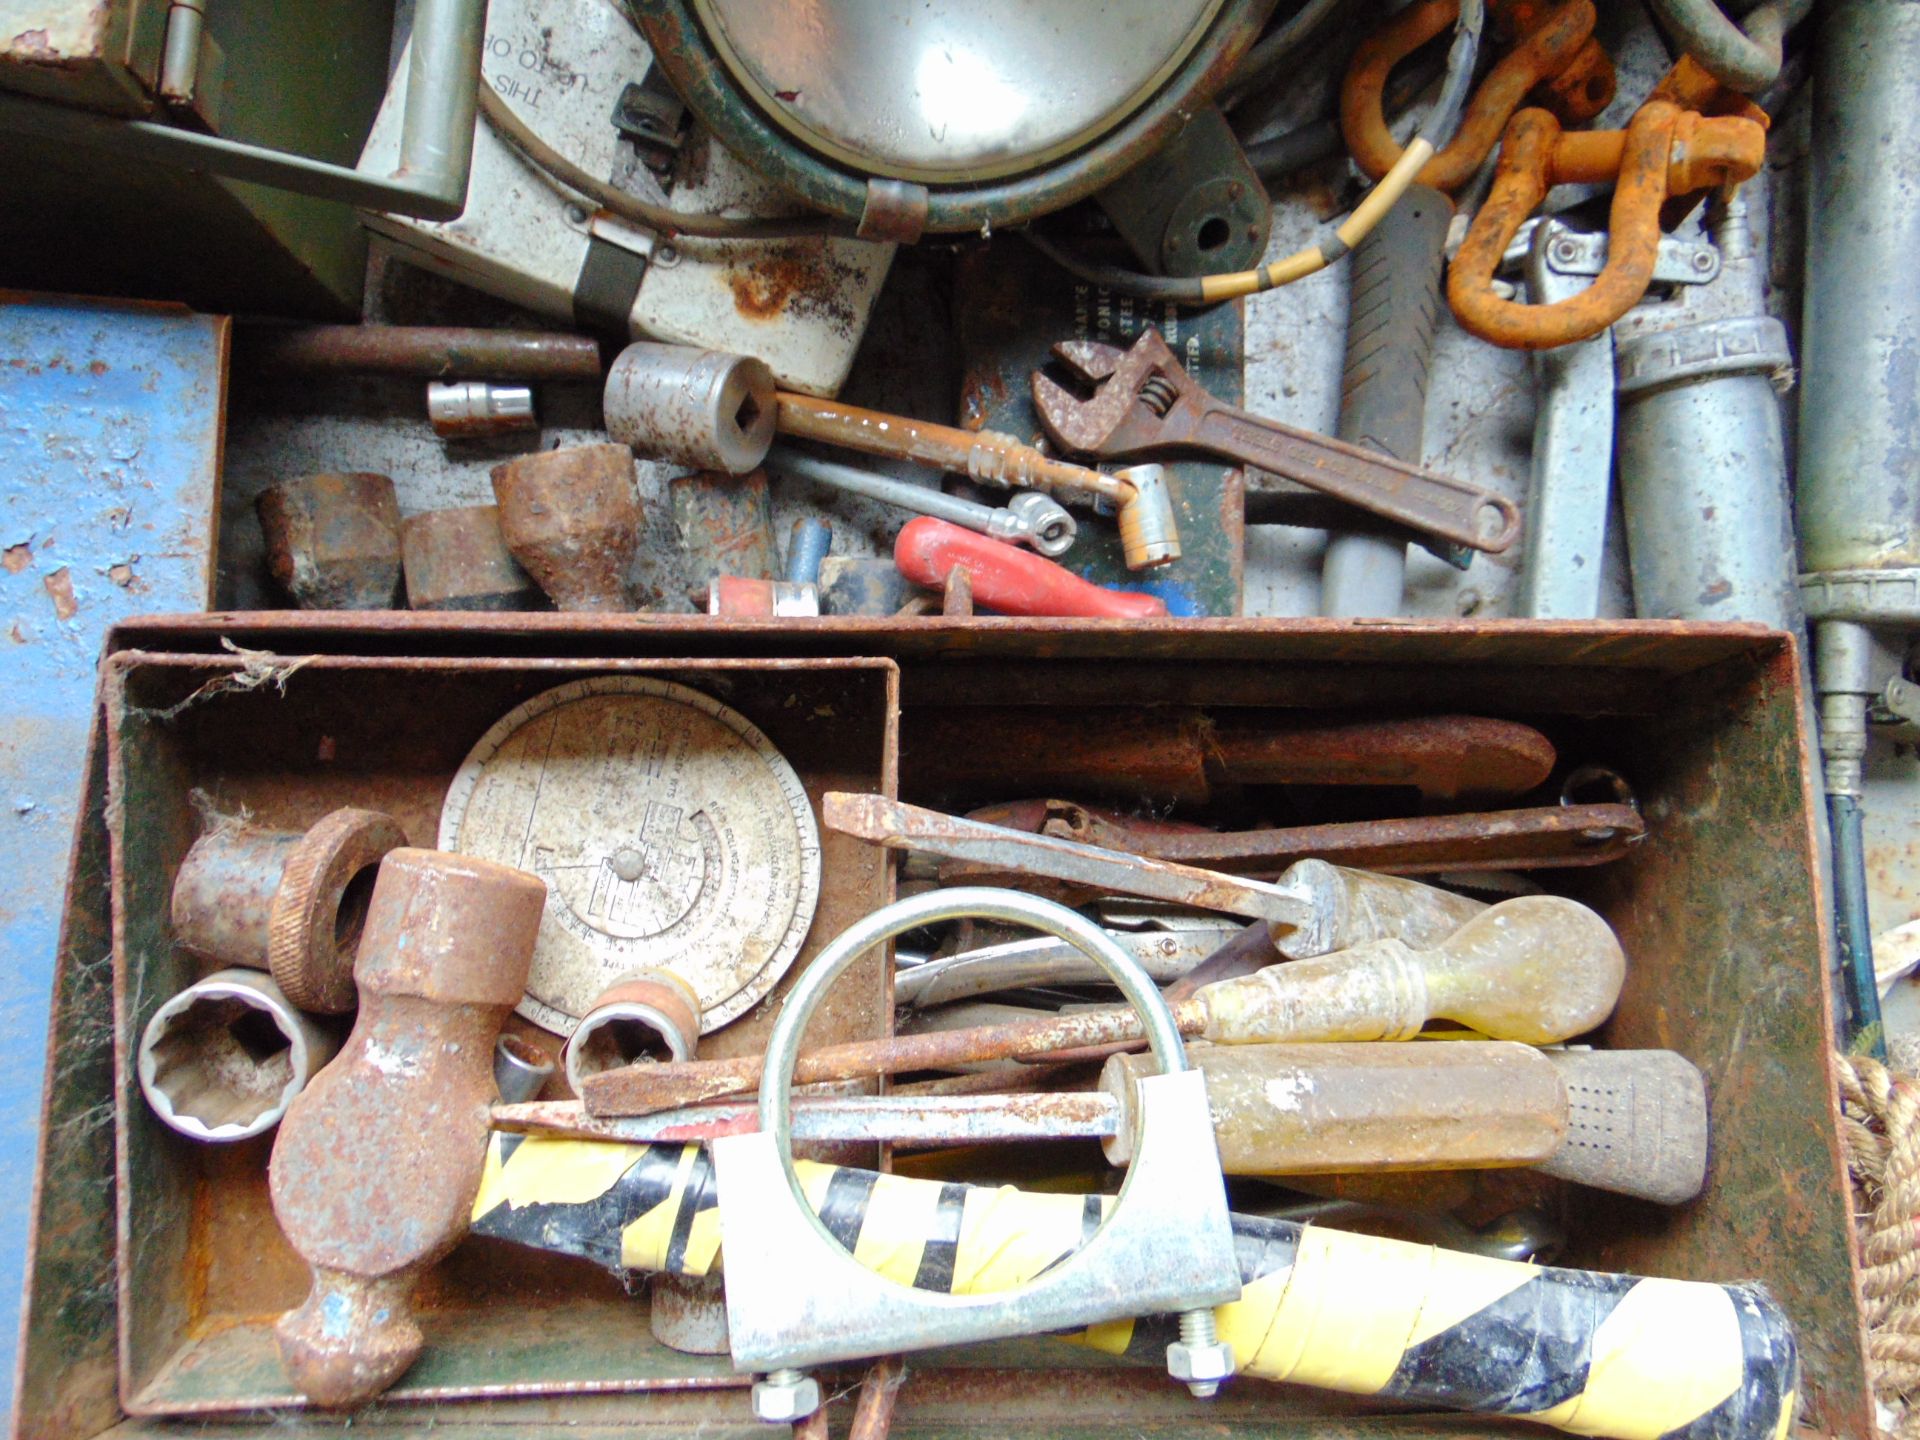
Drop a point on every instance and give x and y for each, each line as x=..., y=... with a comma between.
x=377, y=1163
x=650, y=1015
x=698, y=407
x=688, y=1313
x=458, y=560
x=289, y=901
x=571, y=518
x=224, y=1058
x=725, y=525
x=333, y=541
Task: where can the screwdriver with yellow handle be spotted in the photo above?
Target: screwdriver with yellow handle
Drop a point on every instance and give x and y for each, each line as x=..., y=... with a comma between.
x=1537, y=968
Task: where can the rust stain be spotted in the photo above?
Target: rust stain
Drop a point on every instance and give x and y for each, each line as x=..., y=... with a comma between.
x=16, y=558
x=59, y=587
x=804, y=279
x=121, y=575
x=98, y=367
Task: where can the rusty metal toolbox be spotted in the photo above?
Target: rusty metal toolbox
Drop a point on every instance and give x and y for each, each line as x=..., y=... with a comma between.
x=1718, y=912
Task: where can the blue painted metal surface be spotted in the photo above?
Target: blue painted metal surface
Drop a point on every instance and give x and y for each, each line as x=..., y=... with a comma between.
x=110, y=433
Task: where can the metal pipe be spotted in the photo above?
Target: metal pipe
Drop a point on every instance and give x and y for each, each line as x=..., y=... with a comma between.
x=807, y=545
x=1702, y=447
x=1859, y=473
x=180, y=60
x=1859, y=470
x=430, y=352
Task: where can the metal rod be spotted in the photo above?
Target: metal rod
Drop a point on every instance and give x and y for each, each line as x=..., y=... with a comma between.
x=429, y=352
x=907, y=1120
x=909, y=827
x=983, y=455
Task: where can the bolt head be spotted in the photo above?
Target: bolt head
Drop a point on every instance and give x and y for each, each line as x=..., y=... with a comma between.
x=780, y=1402
x=1206, y=1364
x=1565, y=251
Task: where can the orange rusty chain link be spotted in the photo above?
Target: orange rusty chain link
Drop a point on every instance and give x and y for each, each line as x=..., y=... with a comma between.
x=1554, y=58
x=1670, y=148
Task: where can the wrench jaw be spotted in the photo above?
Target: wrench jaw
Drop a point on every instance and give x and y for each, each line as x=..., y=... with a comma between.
x=1132, y=392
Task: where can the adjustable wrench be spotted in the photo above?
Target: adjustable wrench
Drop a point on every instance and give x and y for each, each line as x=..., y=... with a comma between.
x=1028, y=518
x=1143, y=403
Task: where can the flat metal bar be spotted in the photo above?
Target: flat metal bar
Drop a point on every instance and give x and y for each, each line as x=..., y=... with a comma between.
x=906, y=1120
x=909, y=827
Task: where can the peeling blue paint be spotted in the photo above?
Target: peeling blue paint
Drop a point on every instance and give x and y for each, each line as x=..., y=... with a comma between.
x=110, y=432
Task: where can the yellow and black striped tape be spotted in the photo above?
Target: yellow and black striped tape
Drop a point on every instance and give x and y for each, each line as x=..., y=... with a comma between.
x=1604, y=1355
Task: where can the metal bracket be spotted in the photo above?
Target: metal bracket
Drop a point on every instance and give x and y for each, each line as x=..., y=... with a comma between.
x=1583, y=252
x=796, y=1297
x=436, y=141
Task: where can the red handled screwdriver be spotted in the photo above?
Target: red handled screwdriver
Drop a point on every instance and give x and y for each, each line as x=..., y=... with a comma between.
x=1008, y=579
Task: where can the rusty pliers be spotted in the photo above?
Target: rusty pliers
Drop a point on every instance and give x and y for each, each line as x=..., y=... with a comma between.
x=1143, y=404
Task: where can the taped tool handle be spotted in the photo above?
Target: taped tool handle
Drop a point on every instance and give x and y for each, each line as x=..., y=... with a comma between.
x=1594, y=1354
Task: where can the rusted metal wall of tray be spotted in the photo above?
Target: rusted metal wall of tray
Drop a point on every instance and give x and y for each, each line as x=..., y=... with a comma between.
x=1718, y=911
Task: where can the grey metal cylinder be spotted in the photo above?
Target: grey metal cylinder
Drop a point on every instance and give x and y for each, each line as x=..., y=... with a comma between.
x=1859, y=471
x=224, y=1058
x=699, y=407
x=1703, y=481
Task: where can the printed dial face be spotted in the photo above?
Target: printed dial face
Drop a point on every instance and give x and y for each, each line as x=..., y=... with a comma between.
x=670, y=832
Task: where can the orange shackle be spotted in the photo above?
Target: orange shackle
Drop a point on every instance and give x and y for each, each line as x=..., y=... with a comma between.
x=1666, y=150
x=1554, y=58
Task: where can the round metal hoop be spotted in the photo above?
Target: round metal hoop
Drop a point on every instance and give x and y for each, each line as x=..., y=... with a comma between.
x=961, y=902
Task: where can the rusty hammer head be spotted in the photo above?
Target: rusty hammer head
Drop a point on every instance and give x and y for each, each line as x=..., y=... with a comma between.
x=377, y=1163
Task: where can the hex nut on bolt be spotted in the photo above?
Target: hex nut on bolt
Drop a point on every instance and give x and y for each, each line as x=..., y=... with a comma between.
x=785, y=1396
x=1199, y=1359
x=333, y=541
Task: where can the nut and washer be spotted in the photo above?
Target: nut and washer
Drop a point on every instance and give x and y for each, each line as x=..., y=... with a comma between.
x=784, y=1397
x=1199, y=1359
